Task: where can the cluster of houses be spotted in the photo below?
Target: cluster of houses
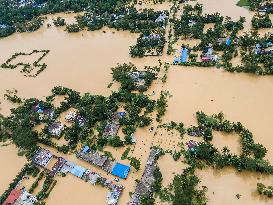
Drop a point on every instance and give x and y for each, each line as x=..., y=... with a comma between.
x=264, y=50
x=103, y=162
x=20, y=197
x=144, y=187
x=112, y=127
x=43, y=157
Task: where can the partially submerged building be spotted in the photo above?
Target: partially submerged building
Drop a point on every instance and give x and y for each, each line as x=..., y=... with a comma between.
x=144, y=187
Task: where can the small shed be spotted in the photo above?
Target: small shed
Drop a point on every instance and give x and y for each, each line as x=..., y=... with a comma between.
x=121, y=170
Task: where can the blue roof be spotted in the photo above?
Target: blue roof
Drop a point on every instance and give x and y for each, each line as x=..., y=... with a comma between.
x=228, y=41
x=85, y=149
x=122, y=114
x=184, y=55
x=121, y=170
x=78, y=171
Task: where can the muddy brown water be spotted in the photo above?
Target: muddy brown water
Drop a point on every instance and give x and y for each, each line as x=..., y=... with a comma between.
x=82, y=62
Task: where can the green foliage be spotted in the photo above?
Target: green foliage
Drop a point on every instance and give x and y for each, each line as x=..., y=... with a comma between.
x=243, y=3
x=261, y=21
x=184, y=188
x=129, y=77
x=36, y=182
x=46, y=189
x=72, y=28
x=158, y=180
x=211, y=156
x=125, y=153
x=59, y=22
x=263, y=190
x=161, y=105
x=11, y=95
x=115, y=141
x=147, y=200
x=134, y=162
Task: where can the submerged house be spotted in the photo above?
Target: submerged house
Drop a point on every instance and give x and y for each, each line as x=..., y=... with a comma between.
x=71, y=116
x=113, y=126
x=138, y=77
x=56, y=129
x=162, y=17
x=42, y=157
x=208, y=56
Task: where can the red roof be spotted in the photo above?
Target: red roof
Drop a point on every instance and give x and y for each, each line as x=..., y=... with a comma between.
x=13, y=196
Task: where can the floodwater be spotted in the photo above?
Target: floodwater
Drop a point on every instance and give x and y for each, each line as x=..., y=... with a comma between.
x=72, y=190
x=83, y=62
x=11, y=164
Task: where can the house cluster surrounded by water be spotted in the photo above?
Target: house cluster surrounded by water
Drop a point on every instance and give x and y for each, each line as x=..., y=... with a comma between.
x=43, y=157
x=103, y=162
x=144, y=187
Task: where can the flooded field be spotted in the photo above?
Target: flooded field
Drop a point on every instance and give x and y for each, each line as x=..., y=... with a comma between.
x=83, y=62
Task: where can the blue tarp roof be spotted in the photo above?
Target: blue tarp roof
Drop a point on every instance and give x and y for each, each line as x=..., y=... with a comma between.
x=228, y=41
x=78, y=171
x=85, y=149
x=122, y=114
x=184, y=55
x=121, y=170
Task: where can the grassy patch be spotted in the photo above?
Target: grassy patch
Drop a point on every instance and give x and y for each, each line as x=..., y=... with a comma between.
x=243, y=3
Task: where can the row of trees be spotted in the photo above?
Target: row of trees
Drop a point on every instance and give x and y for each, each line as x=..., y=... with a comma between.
x=27, y=67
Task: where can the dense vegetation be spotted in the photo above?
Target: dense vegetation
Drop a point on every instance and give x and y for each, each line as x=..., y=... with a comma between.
x=251, y=157
x=95, y=109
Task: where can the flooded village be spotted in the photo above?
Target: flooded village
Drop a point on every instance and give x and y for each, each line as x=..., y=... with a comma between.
x=136, y=102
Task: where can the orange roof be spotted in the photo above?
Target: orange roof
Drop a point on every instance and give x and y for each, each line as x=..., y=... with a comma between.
x=13, y=196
